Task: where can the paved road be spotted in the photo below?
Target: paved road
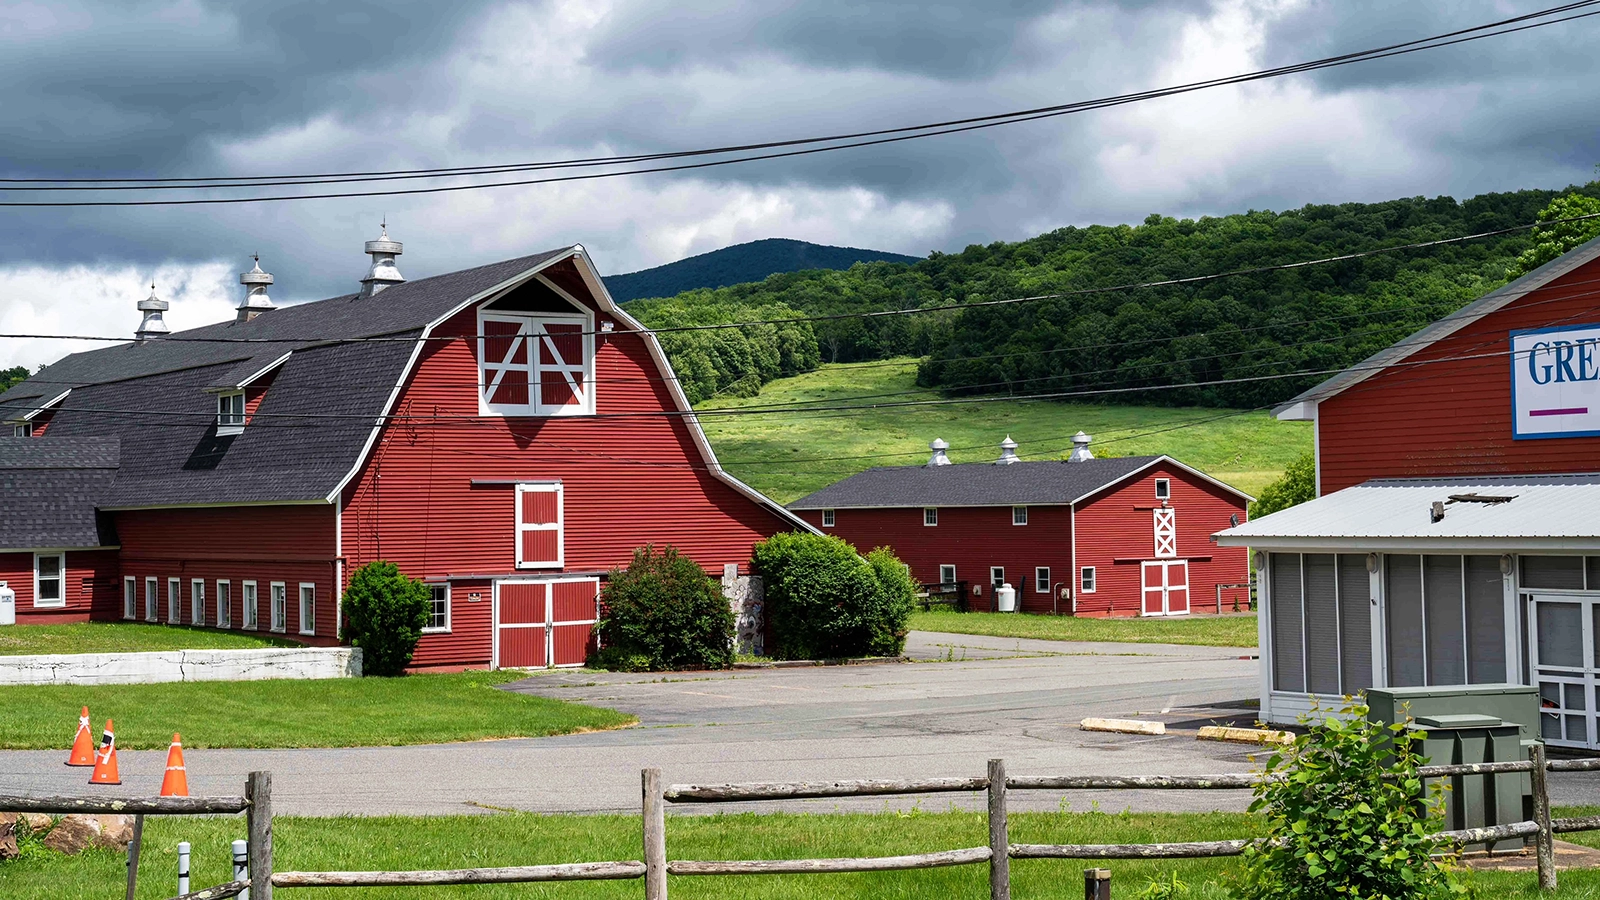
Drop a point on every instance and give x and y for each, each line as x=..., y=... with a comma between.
x=1019, y=700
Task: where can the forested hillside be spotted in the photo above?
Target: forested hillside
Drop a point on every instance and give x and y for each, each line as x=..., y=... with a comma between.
x=751, y=261
x=1235, y=329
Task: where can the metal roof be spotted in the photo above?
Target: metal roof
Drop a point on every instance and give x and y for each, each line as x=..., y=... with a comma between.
x=1550, y=512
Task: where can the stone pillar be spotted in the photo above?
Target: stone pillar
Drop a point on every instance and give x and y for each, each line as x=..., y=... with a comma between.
x=745, y=596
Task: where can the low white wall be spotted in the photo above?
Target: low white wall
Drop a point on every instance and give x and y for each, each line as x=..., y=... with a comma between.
x=182, y=665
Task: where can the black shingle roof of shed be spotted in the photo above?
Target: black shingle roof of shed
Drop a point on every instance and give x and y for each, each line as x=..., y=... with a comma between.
x=973, y=484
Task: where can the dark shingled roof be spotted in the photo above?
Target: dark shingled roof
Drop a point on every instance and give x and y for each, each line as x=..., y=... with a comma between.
x=49, y=490
x=973, y=484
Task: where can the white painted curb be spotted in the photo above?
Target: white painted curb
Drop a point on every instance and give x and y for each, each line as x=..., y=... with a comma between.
x=182, y=665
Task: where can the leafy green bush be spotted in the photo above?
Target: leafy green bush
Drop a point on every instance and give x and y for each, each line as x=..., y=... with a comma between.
x=663, y=612
x=384, y=614
x=825, y=601
x=1297, y=485
x=1551, y=241
x=1346, y=816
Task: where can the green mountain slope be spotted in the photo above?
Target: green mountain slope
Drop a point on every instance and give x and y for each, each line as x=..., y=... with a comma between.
x=751, y=261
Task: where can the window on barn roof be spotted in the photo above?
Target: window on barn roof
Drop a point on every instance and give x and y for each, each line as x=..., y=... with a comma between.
x=536, y=364
x=23, y=430
x=230, y=413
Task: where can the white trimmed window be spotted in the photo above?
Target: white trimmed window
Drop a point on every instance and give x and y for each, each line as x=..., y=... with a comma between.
x=49, y=579
x=230, y=413
x=197, y=601
x=247, y=600
x=1163, y=489
x=280, y=606
x=151, y=594
x=1019, y=515
x=997, y=576
x=439, y=612
x=130, y=597
x=1086, y=580
x=947, y=574
x=1041, y=579
x=224, y=604
x=536, y=364
x=827, y=518
x=23, y=430
x=308, y=608
x=539, y=521
x=174, y=601
x=930, y=516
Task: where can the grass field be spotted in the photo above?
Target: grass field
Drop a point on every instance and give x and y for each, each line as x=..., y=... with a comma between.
x=521, y=839
x=126, y=637
x=1212, y=631
x=341, y=712
x=788, y=455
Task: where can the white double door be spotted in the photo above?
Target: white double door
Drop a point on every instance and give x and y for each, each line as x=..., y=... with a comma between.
x=1164, y=587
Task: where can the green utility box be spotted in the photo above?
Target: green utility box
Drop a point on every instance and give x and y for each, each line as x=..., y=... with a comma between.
x=1517, y=703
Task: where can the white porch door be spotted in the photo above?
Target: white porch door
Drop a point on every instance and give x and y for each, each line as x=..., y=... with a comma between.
x=1164, y=587
x=1565, y=667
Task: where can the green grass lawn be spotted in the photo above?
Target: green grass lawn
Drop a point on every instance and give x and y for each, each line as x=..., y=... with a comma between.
x=788, y=455
x=1212, y=631
x=126, y=637
x=339, y=712
x=306, y=844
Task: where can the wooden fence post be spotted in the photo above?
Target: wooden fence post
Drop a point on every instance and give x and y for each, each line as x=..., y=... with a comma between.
x=655, y=837
x=1096, y=884
x=258, y=829
x=999, y=834
x=133, y=854
x=1544, y=840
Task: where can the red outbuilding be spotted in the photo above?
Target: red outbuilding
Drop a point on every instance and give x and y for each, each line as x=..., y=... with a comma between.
x=1091, y=537
x=505, y=433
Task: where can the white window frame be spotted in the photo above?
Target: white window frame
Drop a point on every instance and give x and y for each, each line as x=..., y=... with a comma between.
x=278, y=599
x=1041, y=579
x=531, y=331
x=24, y=429
x=249, y=596
x=60, y=579
x=996, y=582
x=930, y=516
x=444, y=629
x=152, y=597
x=308, y=607
x=230, y=413
x=1019, y=515
x=130, y=597
x=951, y=579
x=560, y=526
x=1086, y=579
x=1163, y=488
x=224, y=603
x=197, y=601
x=174, y=601
x=827, y=518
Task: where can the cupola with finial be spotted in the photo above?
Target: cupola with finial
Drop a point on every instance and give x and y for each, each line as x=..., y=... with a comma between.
x=1008, y=452
x=152, y=326
x=256, y=300
x=383, y=272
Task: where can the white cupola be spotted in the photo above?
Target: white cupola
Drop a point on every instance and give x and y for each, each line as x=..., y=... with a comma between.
x=152, y=326
x=939, y=446
x=1008, y=452
x=256, y=300
x=383, y=272
x=1080, y=448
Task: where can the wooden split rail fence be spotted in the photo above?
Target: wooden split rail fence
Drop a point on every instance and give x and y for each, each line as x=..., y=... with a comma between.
x=655, y=867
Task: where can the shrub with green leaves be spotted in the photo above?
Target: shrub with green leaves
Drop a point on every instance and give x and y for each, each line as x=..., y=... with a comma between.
x=1347, y=816
x=384, y=614
x=663, y=612
x=825, y=601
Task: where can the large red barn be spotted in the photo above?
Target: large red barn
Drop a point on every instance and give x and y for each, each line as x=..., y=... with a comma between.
x=506, y=433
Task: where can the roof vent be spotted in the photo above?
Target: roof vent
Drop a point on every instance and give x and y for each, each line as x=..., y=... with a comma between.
x=939, y=447
x=152, y=326
x=1080, y=448
x=383, y=272
x=256, y=300
x=1008, y=452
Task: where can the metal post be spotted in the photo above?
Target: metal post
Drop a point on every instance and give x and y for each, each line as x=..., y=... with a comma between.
x=655, y=837
x=1096, y=884
x=241, y=865
x=1544, y=840
x=133, y=854
x=183, y=868
x=258, y=790
x=999, y=835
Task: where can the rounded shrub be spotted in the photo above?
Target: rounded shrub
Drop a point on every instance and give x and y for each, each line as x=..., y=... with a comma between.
x=384, y=614
x=663, y=612
x=825, y=601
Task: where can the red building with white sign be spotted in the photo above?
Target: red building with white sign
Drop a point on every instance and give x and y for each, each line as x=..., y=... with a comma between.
x=505, y=433
x=1090, y=537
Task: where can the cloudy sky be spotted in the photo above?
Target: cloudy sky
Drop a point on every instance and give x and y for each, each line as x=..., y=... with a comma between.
x=191, y=88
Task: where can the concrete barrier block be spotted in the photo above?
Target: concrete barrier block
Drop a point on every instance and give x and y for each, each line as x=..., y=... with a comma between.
x=1123, y=726
x=1244, y=735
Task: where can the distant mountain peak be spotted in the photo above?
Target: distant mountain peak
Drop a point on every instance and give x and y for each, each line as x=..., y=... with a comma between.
x=741, y=263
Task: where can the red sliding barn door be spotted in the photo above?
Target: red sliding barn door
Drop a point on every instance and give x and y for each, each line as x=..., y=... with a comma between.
x=574, y=608
x=545, y=623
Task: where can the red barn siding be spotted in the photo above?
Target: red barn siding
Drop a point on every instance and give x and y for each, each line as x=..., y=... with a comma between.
x=970, y=538
x=1118, y=524
x=1453, y=416
x=469, y=641
x=92, y=589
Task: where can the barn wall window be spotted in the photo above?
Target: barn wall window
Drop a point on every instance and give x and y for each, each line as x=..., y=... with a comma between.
x=827, y=518
x=537, y=364
x=930, y=516
x=540, y=516
x=174, y=601
x=280, y=606
x=947, y=575
x=247, y=601
x=308, y=608
x=150, y=596
x=197, y=602
x=438, y=610
x=997, y=576
x=1086, y=577
x=1163, y=489
x=224, y=604
x=130, y=597
x=1041, y=579
x=49, y=579
x=1019, y=515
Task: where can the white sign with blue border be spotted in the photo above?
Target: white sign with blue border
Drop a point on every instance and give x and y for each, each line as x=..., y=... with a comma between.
x=1555, y=382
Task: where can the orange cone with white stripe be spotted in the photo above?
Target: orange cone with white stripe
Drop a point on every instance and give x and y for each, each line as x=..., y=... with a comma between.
x=83, y=744
x=176, y=782
x=105, y=759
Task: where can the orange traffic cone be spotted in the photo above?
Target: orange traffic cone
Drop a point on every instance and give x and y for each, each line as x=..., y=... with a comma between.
x=83, y=744
x=176, y=781
x=105, y=759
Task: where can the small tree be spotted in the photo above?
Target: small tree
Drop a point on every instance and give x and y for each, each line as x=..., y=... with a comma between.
x=384, y=614
x=898, y=594
x=1347, y=816
x=663, y=612
x=1551, y=241
x=825, y=601
x=1297, y=485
